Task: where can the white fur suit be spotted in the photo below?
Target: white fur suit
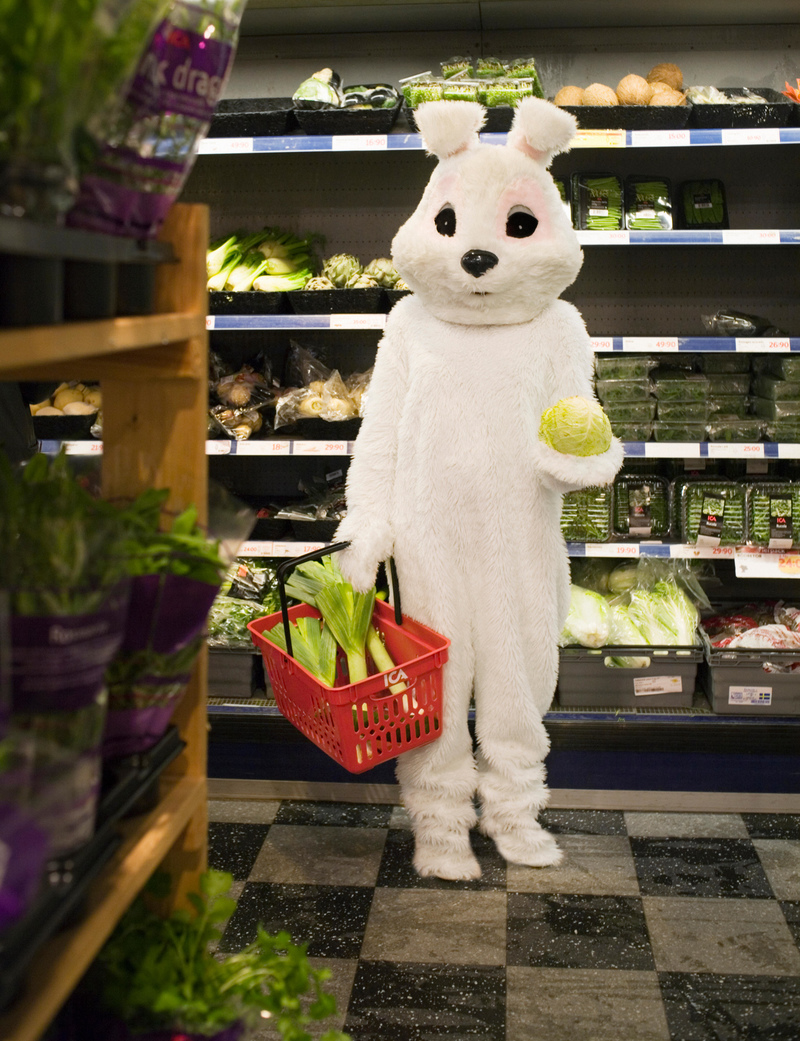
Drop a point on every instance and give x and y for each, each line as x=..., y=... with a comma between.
x=450, y=478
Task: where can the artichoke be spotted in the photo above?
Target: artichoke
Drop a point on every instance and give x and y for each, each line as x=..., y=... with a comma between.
x=340, y=268
x=383, y=271
x=320, y=282
x=361, y=281
x=400, y=284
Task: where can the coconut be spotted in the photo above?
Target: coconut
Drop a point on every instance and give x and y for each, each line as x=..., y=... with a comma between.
x=634, y=90
x=666, y=72
x=569, y=96
x=94, y=397
x=63, y=397
x=668, y=97
x=39, y=405
x=48, y=410
x=599, y=94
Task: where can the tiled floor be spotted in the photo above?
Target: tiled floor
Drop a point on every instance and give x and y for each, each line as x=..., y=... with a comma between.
x=656, y=927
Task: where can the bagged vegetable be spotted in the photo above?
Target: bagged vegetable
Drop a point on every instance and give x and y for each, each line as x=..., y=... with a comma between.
x=588, y=621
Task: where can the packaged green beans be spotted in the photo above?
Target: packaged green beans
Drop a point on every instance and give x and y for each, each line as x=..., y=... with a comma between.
x=586, y=515
x=648, y=204
x=703, y=204
x=712, y=513
x=774, y=514
x=598, y=202
x=641, y=506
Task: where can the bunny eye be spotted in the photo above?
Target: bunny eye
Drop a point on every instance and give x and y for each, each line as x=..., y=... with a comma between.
x=445, y=220
x=520, y=223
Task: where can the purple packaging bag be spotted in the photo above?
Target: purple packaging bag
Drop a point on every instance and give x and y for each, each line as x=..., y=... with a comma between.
x=166, y=612
x=24, y=849
x=112, y=1029
x=139, y=717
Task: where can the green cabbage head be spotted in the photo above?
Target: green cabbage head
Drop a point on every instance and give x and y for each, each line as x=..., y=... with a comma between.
x=576, y=426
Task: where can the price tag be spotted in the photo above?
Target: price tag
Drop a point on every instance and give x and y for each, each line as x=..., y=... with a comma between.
x=218, y=447
x=752, y=562
x=358, y=143
x=789, y=564
x=727, y=450
x=266, y=447
x=257, y=549
x=599, y=139
x=605, y=549
x=604, y=238
x=660, y=138
x=603, y=345
x=210, y=321
x=751, y=136
x=672, y=449
x=650, y=343
x=83, y=447
x=225, y=145
x=644, y=685
x=320, y=448
x=762, y=344
x=701, y=552
x=285, y=549
x=357, y=321
x=751, y=236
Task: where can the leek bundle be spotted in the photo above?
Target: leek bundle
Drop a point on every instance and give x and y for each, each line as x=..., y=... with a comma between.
x=313, y=645
x=269, y=260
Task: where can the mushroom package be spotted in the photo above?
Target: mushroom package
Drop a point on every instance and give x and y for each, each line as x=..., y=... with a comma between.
x=459, y=488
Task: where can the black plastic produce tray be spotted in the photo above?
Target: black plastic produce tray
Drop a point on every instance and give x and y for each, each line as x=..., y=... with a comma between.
x=346, y=120
x=393, y=295
x=269, y=529
x=250, y=302
x=253, y=117
x=630, y=117
x=315, y=530
x=584, y=680
x=774, y=113
x=498, y=119
x=231, y=672
x=337, y=301
x=325, y=430
x=64, y=428
x=736, y=683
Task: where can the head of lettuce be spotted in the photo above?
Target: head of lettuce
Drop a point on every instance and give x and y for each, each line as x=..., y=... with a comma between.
x=576, y=426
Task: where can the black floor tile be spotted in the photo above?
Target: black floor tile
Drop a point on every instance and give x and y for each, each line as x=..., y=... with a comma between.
x=772, y=825
x=234, y=847
x=699, y=867
x=397, y=868
x=411, y=1002
x=704, y=1007
x=583, y=822
x=333, y=814
x=331, y=919
x=577, y=932
x=791, y=912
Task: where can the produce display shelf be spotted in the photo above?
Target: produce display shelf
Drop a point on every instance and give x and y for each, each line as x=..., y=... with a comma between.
x=633, y=550
x=62, y=961
x=223, y=447
x=712, y=450
x=399, y=139
x=296, y=321
x=693, y=237
x=697, y=344
x=29, y=238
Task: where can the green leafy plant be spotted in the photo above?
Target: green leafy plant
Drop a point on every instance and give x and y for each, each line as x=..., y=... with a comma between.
x=159, y=972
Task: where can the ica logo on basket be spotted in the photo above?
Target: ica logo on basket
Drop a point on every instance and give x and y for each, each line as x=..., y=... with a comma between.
x=394, y=677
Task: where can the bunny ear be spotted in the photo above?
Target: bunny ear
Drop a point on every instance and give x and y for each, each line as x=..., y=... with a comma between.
x=541, y=130
x=449, y=127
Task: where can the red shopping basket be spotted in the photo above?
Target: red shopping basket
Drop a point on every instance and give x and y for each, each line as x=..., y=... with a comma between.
x=365, y=723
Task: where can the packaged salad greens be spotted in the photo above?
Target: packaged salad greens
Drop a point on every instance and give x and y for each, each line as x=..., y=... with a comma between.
x=776, y=389
x=669, y=431
x=457, y=90
x=712, y=513
x=784, y=430
x=612, y=391
x=734, y=428
x=456, y=67
x=679, y=385
x=729, y=404
x=683, y=411
x=776, y=410
x=729, y=383
x=624, y=366
x=774, y=514
x=631, y=431
x=632, y=411
x=648, y=204
x=785, y=367
x=641, y=506
x=586, y=515
x=713, y=362
x=598, y=202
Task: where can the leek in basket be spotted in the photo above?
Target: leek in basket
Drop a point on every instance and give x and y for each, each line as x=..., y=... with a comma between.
x=313, y=645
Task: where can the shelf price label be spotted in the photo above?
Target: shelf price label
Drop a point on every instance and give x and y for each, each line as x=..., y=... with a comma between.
x=751, y=136
x=604, y=344
x=660, y=138
x=210, y=322
x=751, y=236
x=358, y=143
x=83, y=447
x=650, y=343
x=257, y=549
x=225, y=146
x=686, y=552
x=266, y=447
x=605, y=549
x=762, y=344
x=600, y=139
x=752, y=562
x=727, y=450
x=357, y=321
x=320, y=448
x=604, y=238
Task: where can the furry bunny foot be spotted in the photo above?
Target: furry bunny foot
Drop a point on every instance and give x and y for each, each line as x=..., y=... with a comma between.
x=454, y=862
x=528, y=844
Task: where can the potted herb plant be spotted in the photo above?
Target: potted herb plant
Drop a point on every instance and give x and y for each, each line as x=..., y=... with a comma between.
x=158, y=979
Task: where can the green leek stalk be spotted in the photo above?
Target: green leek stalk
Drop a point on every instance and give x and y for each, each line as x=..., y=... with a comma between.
x=348, y=614
x=313, y=646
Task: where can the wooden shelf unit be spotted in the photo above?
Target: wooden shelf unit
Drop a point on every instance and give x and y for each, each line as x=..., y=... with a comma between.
x=153, y=373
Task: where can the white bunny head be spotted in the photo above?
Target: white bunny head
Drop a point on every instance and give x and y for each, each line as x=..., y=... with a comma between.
x=489, y=243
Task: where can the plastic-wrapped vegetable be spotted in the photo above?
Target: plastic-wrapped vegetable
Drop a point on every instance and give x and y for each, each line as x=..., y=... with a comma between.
x=729, y=383
x=586, y=515
x=632, y=431
x=624, y=367
x=777, y=410
x=632, y=411
x=598, y=202
x=591, y=573
x=664, y=614
x=641, y=505
x=713, y=513
x=683, y=411
x=703, y=204
x=785, y=367
x=734, y=428
x=611, y=392
x=588, y=620
x=727, y=322
x=715, y=362
x=729, y=405
x=623, y=578
x=624, y=631
x=679, y=431
x=648, y=204
x=227, y=622
x=776, y=389
x=679, y=385
x=774, y=514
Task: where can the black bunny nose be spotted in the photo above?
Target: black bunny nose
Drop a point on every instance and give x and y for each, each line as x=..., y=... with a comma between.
x=477, y=262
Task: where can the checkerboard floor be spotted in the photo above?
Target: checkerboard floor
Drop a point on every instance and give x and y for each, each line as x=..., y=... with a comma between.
x=655, y=927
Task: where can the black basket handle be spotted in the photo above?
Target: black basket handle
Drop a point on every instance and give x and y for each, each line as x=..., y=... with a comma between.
x=285, y=569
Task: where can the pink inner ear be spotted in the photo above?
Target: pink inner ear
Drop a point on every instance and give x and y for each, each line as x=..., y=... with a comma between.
x=516, y=139
x=528, y=193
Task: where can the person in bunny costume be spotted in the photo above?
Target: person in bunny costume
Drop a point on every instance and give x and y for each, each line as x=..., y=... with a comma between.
x=450, y=478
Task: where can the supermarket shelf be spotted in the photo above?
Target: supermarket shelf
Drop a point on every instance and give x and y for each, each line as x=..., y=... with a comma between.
x=696, y=344
x=585, y=139
x=55, y=346
x=731, y=237
x=62, y=962
x=711, y=450
x=296, y=321
x=29, y=238
x=632, y=550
